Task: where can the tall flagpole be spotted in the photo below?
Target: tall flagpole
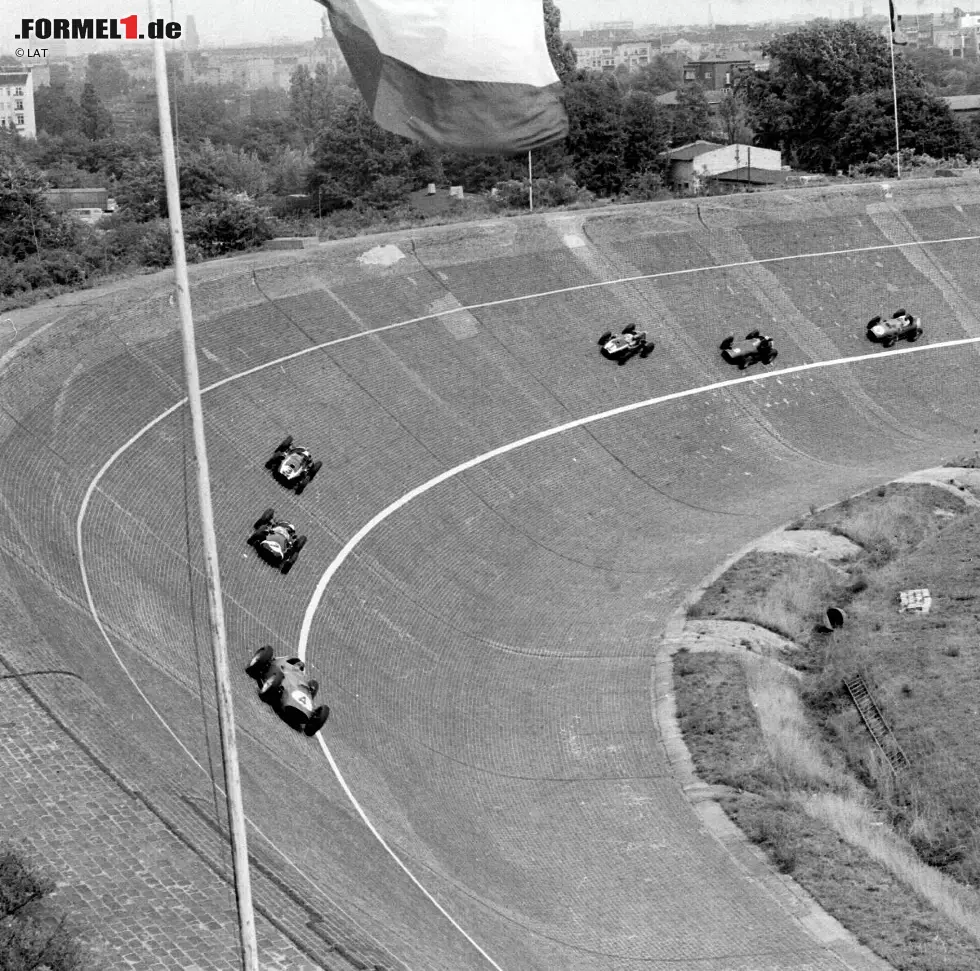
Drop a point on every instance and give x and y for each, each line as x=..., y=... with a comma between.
x=233, y=788
x=530, y=183
x=891, y=51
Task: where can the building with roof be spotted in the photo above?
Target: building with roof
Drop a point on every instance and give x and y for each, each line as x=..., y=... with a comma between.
x=690, y=167
x=17, y=103
x=716, y=73
x=964, y=106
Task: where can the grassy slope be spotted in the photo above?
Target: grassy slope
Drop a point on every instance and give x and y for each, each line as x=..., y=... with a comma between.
x=815, y=775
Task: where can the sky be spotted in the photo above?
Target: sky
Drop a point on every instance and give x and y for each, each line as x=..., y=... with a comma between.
x=238, y=21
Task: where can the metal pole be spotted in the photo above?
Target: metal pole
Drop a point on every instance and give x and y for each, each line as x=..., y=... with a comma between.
x=233, y=789
x=530, y=183
x=891, y=50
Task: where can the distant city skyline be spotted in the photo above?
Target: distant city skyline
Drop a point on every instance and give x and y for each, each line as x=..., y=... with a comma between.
x=229, y=22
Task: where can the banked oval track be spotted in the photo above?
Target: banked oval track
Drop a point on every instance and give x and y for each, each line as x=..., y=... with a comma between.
x=502, y=527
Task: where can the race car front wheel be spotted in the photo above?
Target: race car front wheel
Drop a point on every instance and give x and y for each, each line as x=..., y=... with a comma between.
x=259, y=663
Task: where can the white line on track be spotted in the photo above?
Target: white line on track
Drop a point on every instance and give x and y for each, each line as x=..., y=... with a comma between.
x=462, y=467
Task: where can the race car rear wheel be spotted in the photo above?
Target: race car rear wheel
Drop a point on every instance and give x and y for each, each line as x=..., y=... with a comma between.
x=605, y=337
x=260, y=662
x=302, y=484
x=646, y=349
x=772, y=357
x=266, y=517
x=316, y=468
x=285, y=443
x=317, y=720
x=270, y=686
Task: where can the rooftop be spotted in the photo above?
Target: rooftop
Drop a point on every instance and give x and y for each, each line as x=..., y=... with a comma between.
x=692, y=150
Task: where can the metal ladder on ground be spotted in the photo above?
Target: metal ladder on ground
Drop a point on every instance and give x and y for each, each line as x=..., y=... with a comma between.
x=875, y=723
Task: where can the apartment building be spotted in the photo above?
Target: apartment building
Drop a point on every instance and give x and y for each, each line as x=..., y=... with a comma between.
x=17, y=102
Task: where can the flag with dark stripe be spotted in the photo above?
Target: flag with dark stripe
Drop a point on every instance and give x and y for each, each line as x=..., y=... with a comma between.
x=465, y=75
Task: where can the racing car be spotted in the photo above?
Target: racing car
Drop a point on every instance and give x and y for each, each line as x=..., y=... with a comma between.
x=756, y=347
x=621, y=347
x=901, y=325
x=293, y=466
x=276, y=541
x=283, y=684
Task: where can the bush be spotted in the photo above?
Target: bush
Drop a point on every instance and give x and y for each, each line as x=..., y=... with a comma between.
x=229, y=223
x=64, y=268
x=12, y=278
x=548, y=193
x=646, y=187
x=33, y=937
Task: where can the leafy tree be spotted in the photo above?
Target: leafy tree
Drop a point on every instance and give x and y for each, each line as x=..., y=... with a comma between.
x=658, y=77
x=266, y=137
x=142, y=195
x=200, y=111
x=27, y=223
x=353, y=154
x=33, y=937
x=96, y=122
x=562, y=54
x=692, y=117
x=313, y=100
x=55, y=111
x=647, y=128
x=865, y=126
x=107, y=73
x=815, y=70
x=733, y=115
x=596, y=137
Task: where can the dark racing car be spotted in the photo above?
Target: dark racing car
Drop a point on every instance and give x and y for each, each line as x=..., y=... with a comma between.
x=901, y=326
x=293, y=466
x=284, y=685
x=621, y=347
x=276, y=541
x=755, y=348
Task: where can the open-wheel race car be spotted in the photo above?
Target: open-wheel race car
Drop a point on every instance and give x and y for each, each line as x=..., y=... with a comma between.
x=754, y=348
x=621, y=347
x=276, y=541
x=293, y=466
x=284, y=685
x=902, y=325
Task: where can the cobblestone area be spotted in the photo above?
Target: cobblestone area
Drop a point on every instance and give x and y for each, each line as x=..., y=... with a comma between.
x=121, y=874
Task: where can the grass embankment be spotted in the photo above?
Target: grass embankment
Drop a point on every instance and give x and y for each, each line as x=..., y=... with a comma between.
x=807, y=783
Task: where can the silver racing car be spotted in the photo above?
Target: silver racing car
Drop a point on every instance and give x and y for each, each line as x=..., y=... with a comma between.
x=293, y=466
x=901, y=326
x=276, y=541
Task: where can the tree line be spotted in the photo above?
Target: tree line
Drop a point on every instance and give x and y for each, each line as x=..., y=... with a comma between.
x=313, y=160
